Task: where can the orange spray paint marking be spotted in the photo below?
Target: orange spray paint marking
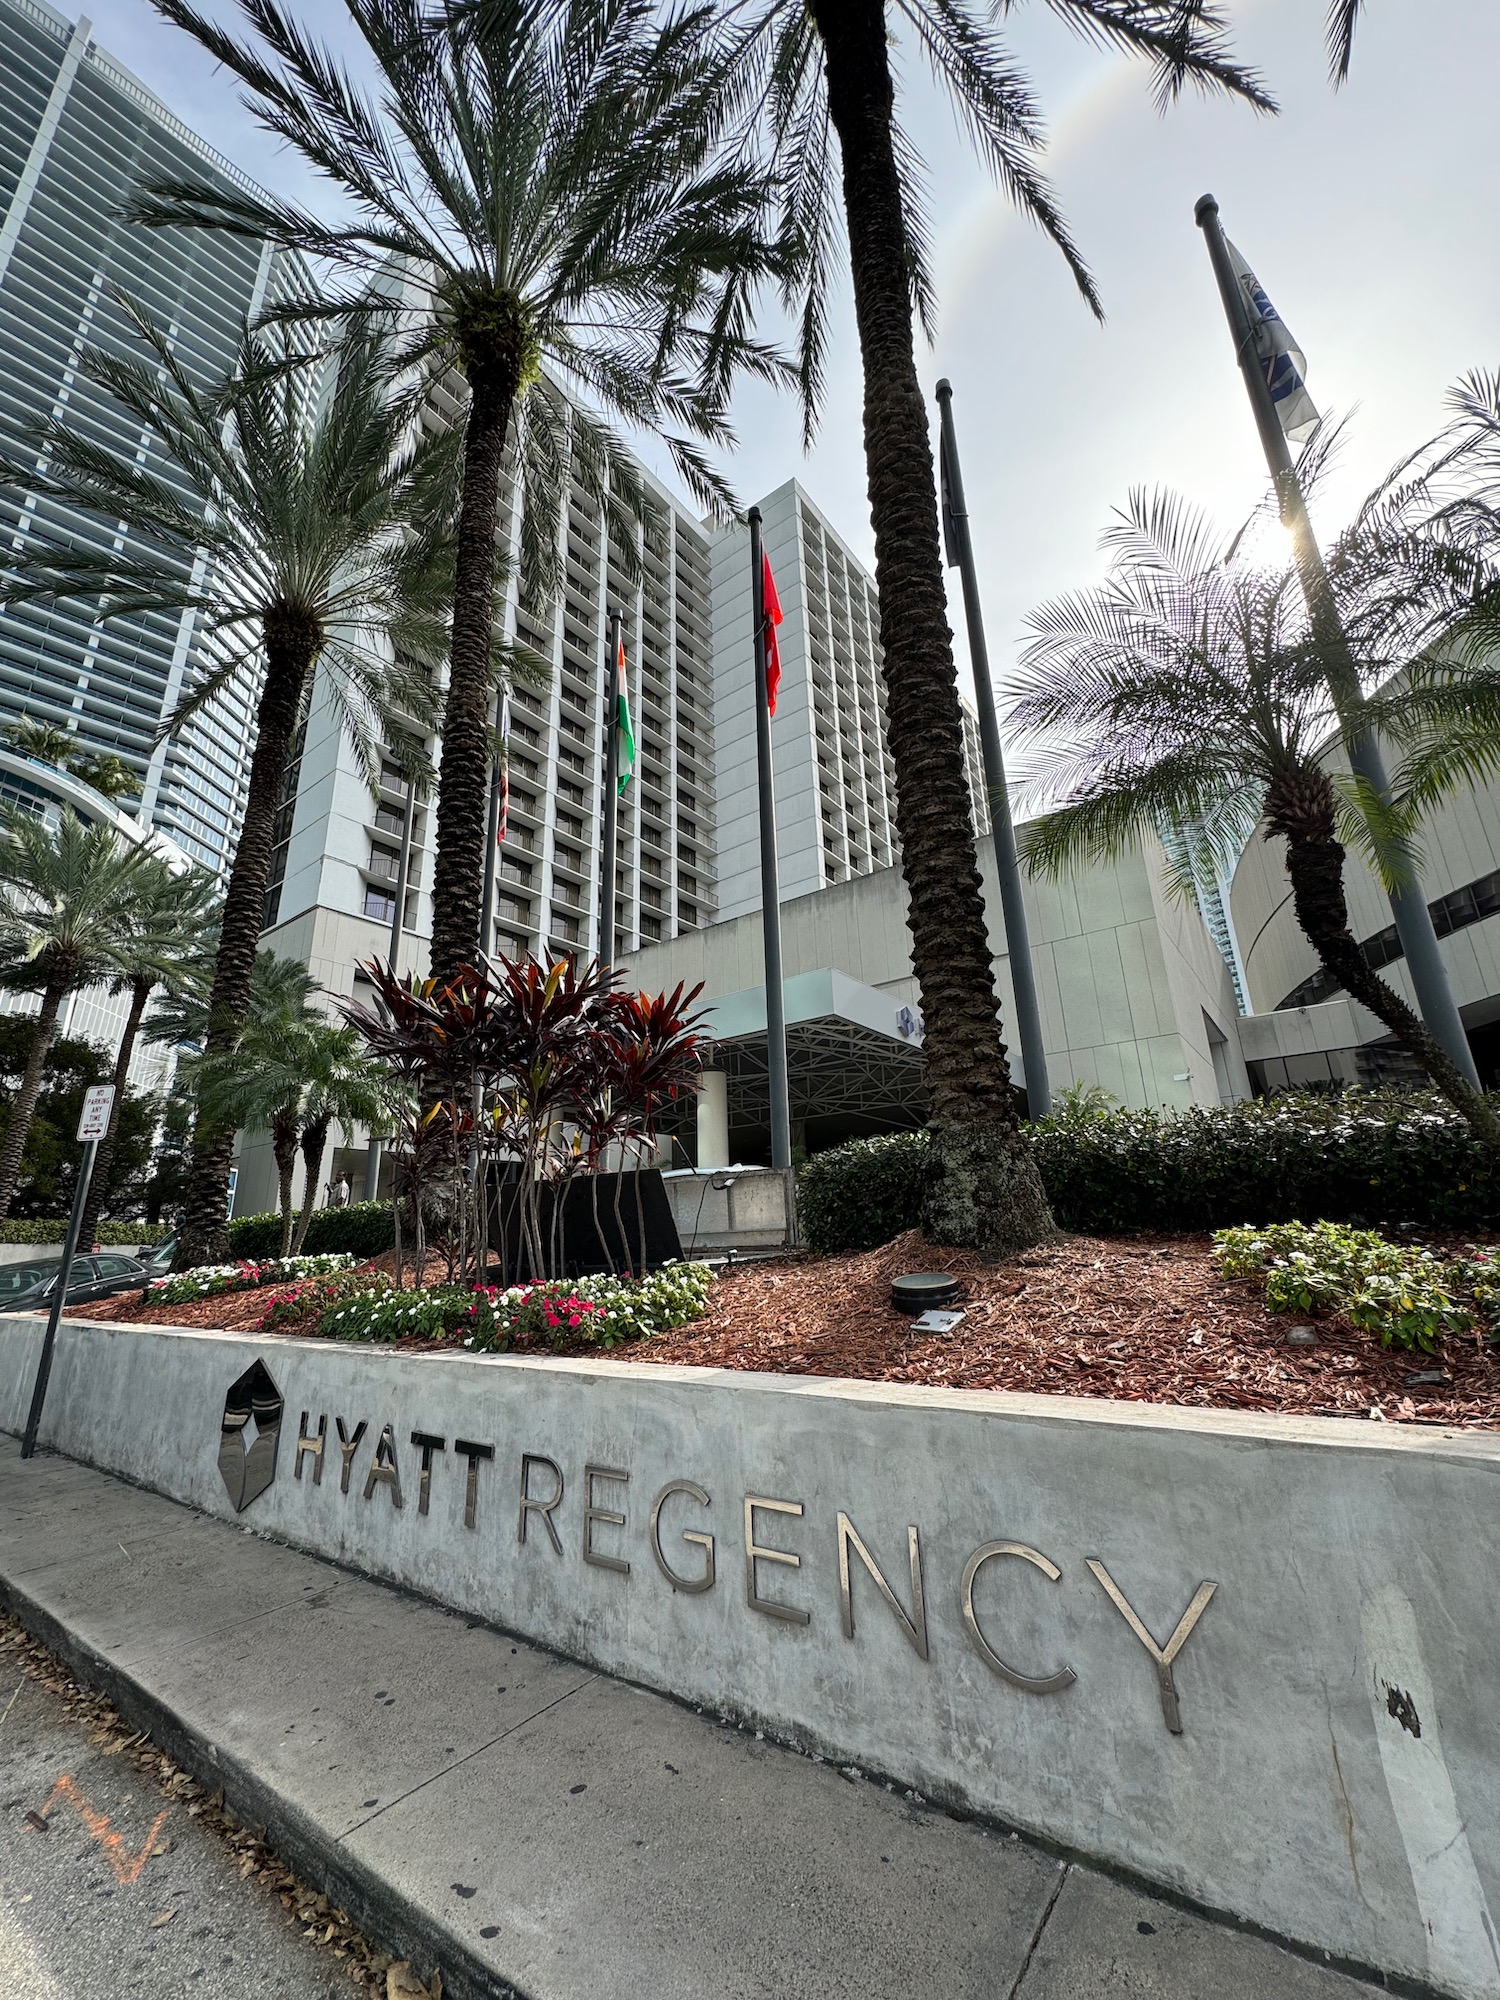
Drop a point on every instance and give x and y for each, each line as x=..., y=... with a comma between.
x=127, y=1868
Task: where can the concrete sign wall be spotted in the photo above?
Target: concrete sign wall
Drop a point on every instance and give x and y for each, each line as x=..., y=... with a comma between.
x=1251, y=1660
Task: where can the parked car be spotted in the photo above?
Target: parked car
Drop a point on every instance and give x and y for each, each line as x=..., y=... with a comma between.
x=158, y=1260
x=25, y=1287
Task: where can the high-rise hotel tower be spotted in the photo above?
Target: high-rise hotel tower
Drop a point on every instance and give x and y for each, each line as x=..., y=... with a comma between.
x=76, y=132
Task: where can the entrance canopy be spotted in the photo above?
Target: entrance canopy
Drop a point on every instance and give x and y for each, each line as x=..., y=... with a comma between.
x=854, y=1057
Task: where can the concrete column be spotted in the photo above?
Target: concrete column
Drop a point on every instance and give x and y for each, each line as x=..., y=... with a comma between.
x=713, y=1119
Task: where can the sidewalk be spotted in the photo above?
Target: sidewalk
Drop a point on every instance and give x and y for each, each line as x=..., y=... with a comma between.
x=532, y=1827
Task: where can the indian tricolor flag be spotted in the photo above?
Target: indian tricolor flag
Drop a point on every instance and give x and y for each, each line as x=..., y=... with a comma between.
x=624, y=734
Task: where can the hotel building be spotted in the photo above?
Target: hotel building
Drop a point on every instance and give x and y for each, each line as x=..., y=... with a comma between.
x=76, y=132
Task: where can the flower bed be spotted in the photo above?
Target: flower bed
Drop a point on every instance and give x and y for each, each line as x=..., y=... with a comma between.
x=1401, y=1292
x=555, y=1314
x=206, y=1281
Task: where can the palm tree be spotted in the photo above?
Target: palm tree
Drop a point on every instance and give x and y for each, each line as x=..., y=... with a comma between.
x=232, y=1091
x=66, y=898
x=44, y=741
x=280, y=517
x=291, y=1074
x=257, y=1087
x=548, y=173
x=828, y=63
x=181, y=1016
x=340, y=1086
x=161, y=949
x=1186, y=693
x=110, y=776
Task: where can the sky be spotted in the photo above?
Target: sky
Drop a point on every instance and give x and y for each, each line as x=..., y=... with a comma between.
x=1368, y=214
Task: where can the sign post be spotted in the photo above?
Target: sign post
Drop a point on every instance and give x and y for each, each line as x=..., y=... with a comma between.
x=98, y=1102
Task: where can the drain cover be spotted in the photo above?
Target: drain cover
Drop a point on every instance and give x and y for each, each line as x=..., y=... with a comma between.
x=919, y=1290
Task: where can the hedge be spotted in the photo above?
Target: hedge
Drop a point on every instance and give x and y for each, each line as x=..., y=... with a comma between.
x=1356, y=1159
x=51, y=1230
x=364, y=1229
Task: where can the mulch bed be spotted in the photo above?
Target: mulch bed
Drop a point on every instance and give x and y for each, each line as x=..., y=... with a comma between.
x=1138, y=1319
x=1141, y=1319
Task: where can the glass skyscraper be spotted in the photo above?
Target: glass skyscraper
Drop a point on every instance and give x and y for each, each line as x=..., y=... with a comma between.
x=76, y=131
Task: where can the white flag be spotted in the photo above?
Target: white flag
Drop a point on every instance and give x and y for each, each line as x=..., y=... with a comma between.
x=1281, y=359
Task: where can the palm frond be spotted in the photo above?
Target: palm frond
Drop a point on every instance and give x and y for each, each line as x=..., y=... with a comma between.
x=1343, y=18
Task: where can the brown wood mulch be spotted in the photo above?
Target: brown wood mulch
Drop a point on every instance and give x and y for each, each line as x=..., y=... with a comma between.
x=1143, y=1319
x=1140, y=1319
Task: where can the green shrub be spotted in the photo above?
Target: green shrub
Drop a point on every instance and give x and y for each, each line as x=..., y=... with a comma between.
x=49, y=1230
x=863, y=1193
x=364, y=1229
x=1356, y=1159
x=1398, y=1291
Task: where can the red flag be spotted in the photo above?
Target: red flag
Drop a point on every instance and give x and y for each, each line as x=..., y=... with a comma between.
x=771, y=607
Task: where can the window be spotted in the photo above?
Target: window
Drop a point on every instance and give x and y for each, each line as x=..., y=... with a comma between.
x=379, y=904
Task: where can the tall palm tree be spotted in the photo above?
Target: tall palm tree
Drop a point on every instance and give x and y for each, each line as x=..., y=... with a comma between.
x=550, y=174
x=66, y=898
x=1186, y=693
x=161, y=949
x=828, y=63
x=285, y=521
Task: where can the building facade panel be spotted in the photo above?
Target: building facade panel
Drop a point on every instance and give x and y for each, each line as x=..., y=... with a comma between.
x=76, y=131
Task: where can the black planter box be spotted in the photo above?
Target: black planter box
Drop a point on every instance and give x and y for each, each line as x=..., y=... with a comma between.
x=583, y=1254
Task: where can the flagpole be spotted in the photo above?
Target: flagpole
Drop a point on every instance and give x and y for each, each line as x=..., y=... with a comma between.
x=1007, y=862
x=491, y=856
x=611, y=792
x=770, y=888
x=1414, y=928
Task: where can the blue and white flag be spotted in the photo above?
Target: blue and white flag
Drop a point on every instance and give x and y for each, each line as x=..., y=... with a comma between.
x=1281, y=359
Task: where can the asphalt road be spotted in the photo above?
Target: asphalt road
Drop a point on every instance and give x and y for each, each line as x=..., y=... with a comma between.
x=92, y=1909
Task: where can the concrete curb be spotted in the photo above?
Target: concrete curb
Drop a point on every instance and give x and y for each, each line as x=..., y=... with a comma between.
x=380, y=1910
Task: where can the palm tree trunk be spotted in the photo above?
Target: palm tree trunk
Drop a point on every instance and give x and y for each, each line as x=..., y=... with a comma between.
x=1300, y=809
x=23, y=1110
x=314, y=1140
x=284, y=1151
x=493, y=368
x=986, y=1190
x=140, y=993
x=291, y=647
